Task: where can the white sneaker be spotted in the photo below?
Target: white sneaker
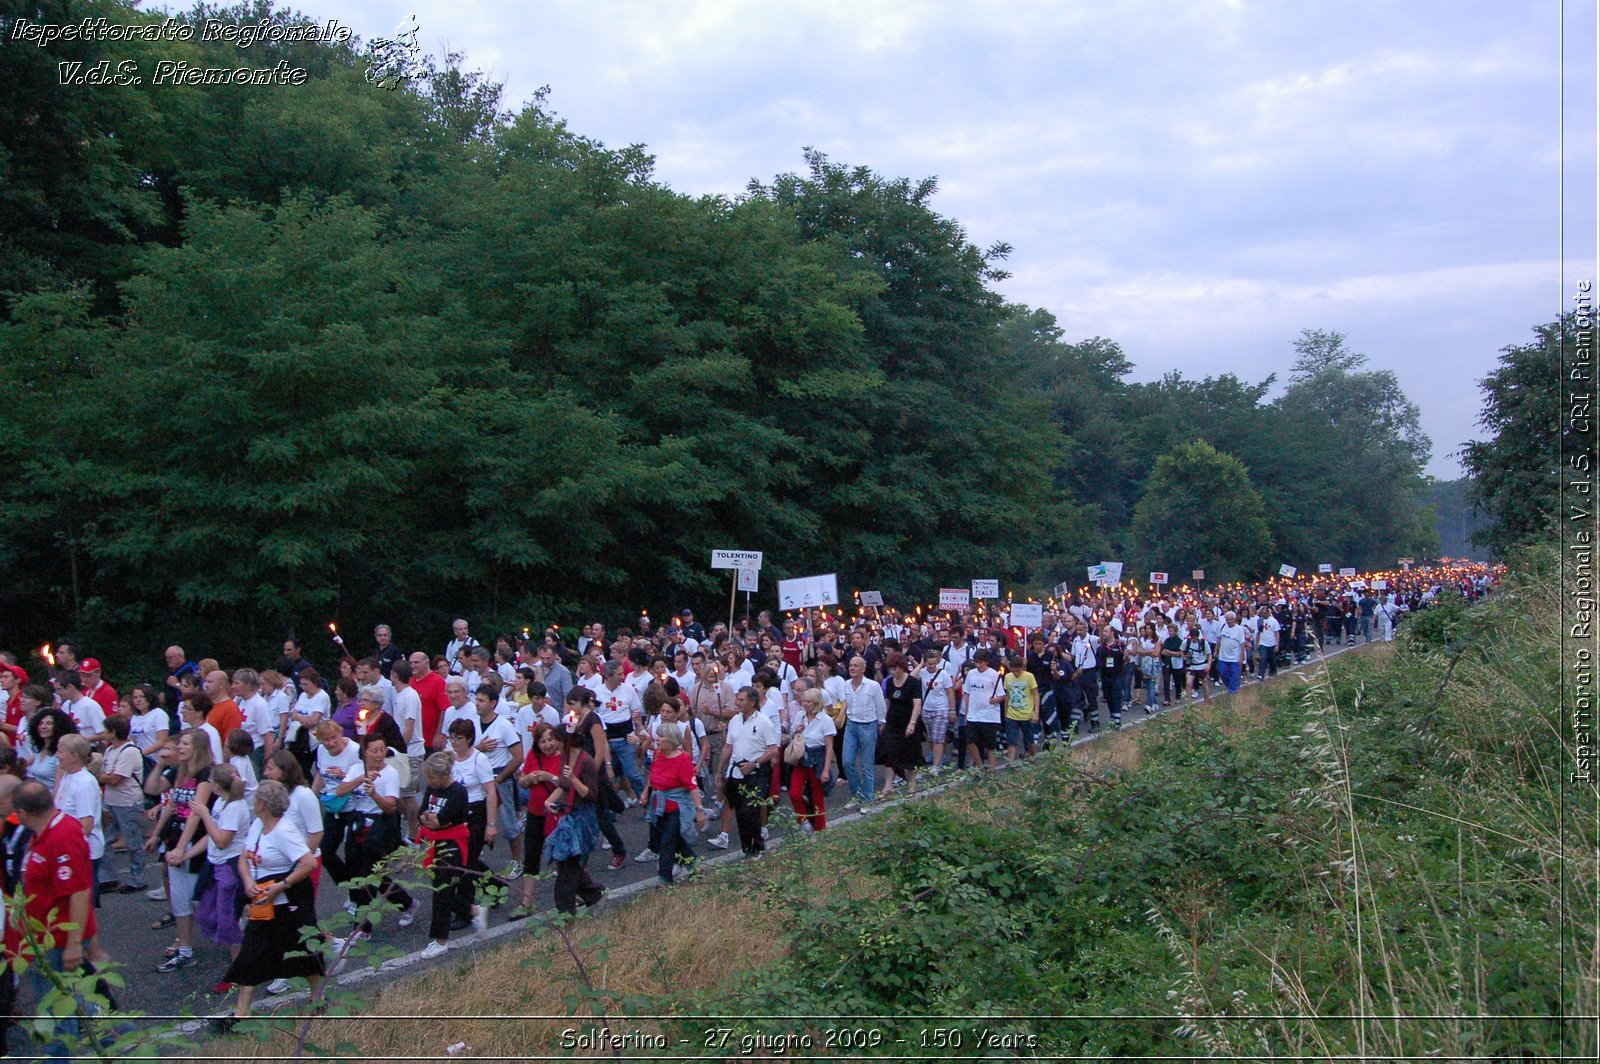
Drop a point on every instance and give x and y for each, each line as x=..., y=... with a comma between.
x=409, y=915
x=435, y=949
x=605, y=845
x=629, y=803
x=808, y=828
x=158, y=894
x=480, y=920
x=764, y=835
x=513, y=870
x=646, y=856
x=719, y=840
x=679, y=872
x=278, y=986
x=350, y=907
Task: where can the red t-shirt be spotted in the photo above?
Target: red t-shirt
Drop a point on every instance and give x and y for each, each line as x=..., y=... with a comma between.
x=669, y=772
x=430, y=688
x=106, y=695
x=57, y=867
x=225, y=717
x=791, y=653
x=539, y=793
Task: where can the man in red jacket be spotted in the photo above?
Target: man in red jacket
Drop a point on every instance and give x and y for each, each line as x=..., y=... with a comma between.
x=96, y=687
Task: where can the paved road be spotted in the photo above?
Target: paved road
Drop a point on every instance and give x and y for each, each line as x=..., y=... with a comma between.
x=126, y=932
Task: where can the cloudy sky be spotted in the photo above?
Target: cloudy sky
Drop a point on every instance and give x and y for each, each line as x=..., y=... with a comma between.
x=1198, y=181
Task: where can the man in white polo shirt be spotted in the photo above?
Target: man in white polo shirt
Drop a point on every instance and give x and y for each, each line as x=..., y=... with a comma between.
x=743, y=773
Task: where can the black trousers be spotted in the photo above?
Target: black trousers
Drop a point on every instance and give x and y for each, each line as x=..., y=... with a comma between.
x=452, y=889
x=745, y=797
x=575, y=884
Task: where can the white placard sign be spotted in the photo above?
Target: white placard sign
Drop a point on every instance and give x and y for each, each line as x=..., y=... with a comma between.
x=749, y=578
x=1287, y=571
x=1027, y=615
x=1198, y=574
x=1324, y=568
x=804, y=591
x=1347, y=572
x=1061, y=589
x=1106, y=573
x=986, y=589
x=1358, y=583
x=735, y=559
x=872, y=598
x=1159, y=578
x=1380, y=585
x=954, y=598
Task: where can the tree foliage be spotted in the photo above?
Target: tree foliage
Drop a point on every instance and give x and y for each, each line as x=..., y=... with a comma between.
x=338, y=351
x=1200, y=511
x=1516, y=474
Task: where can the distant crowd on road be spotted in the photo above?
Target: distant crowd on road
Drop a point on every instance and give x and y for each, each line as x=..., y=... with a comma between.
x=233, y=794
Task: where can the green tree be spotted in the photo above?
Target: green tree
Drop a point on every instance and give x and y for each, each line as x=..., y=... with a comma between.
x=1200, y=511
x=1516, y=473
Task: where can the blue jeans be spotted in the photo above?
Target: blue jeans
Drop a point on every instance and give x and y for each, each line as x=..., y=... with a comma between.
x=39, y=985
x=1230, y=675
x=622, y=755
x=861, y=758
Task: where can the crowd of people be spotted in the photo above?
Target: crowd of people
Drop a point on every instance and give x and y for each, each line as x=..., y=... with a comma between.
x=235, y=795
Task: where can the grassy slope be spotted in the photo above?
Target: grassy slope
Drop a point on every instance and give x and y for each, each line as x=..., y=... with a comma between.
x=1378, y=844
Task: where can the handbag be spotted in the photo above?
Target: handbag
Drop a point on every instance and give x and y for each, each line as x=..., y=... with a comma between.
x=795, y=752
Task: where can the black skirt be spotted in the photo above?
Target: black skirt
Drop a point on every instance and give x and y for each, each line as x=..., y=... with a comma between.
x=266, y=953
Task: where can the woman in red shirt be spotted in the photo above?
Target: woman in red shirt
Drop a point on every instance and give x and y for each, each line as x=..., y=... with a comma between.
x=672, y=773
x=541, y=773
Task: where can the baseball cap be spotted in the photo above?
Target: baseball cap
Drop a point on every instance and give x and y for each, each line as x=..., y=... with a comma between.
x=89, y=665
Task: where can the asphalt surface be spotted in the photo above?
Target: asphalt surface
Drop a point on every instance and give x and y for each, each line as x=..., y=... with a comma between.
x=126, y=933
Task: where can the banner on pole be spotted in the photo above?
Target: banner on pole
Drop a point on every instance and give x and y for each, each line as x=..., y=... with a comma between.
x=749, y=578
x=1198, y=574
x=1324, y=568
x=805, y=591
x=1027, y=615
x=735, y=559
x=954, y=598
x=1347, y=572
x=986, y=589
x=872, y=598
x=1287, y=571
x=1380, y=585
x=1061, y=589
x=1159, y=578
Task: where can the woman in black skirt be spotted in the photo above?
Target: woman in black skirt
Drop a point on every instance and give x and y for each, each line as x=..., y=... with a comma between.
x=900, y=740
x=275, y=863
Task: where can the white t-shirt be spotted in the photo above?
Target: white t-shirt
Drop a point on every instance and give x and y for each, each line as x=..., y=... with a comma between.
x=408, y=708
x=694, y=738
x=936, y=687
x=772, y=708
x=978, y=689
x=215, y=736
x=743, y=678
x=475, y=774
x=1230, y=642
x=247, y=772
x=78, y=795
x=259, y=719
x=275, y=853
x=230, y=816
x=1269, y=630
x=387, y=785
x=334, y=768
x=86, y=714
x=468, y=712
x=686, y=682
x=503, y=732
x=277, y=703
x=143, y=729
x=619, y=706
x=315, y=705
x=594, y=682
x=305, y=812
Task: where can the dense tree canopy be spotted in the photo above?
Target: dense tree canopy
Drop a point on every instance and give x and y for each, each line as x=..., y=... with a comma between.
x=1516, y=474
x=338, y=351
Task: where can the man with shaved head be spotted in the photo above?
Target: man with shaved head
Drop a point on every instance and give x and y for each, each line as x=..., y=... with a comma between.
x=224, y=714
